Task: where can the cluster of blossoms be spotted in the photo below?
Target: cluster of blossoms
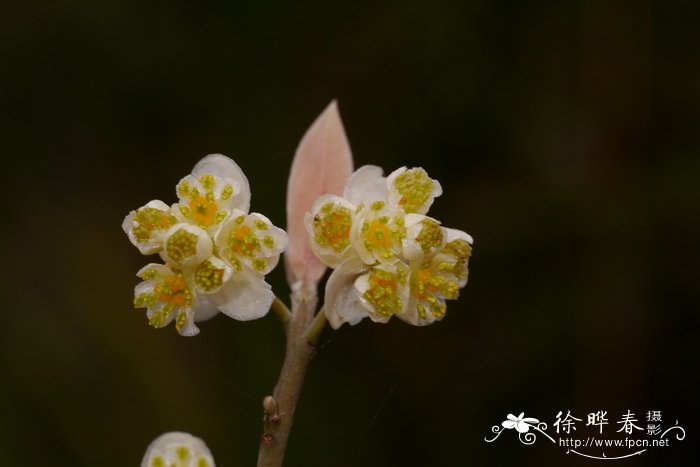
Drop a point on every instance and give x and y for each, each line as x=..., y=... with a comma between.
x=216, y=254
x=390, y=259
x=177, y=449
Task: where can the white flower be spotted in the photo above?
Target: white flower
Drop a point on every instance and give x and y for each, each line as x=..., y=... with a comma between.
x=186, y=246
x=378, y=232
x=166, y=294
x=145, y=226
x=216, y=254
x=389, y=257
x=522, y=425
x=412, y=189
x=177, y=449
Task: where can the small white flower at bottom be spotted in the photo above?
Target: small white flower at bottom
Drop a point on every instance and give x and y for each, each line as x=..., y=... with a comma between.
x=177, y=449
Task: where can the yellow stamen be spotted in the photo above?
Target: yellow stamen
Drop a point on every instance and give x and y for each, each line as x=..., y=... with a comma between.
x=208, y=277
x=332, y=227
x=430, y=235
x=150, y=219
x=415, y=188
x=383, y=291
x=242, y=241
x=181, y=245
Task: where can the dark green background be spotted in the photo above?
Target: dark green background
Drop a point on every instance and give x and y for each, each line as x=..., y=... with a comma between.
x=565, y=136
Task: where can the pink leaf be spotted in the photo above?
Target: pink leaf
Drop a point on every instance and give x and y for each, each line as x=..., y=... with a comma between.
x=322, y=164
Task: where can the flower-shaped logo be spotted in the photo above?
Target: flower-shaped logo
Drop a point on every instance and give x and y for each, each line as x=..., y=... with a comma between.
x=390, y=259
x=216, y=254
x=521, y=425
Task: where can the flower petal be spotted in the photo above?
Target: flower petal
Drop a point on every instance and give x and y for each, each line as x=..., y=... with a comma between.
x=322, y=164
x=454, y=234
x=185, y=323
x=224, y=167
x=522, y=427
x=205, y=309
x=366, y=185
x=245, y=297
x=509, y=424
x=342, y=302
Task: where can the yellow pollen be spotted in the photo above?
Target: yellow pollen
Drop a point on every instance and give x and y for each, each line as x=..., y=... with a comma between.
x=226, y=192
x=182, y=244
x=242, y=241
x=430, y=235
x=421, y=311
x=159, y=318
x=183, y=189
x=459, y=248
x=150, y=219
x=430, y=287
x=377, y=205
x=208, y=277
x=221, y=215
x=173, y=291
x=157, y=462
x=149, y=274
x=145, y=300
x=186, y=211
x=415, y=188
x=207, y=181
x=260, y=264
x=382, y=292
x=180, y=320
x=182, y=453
x=332, y=227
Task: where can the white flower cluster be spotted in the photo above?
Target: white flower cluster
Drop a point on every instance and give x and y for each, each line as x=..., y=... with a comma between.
x=390, y=259
x=216, y=254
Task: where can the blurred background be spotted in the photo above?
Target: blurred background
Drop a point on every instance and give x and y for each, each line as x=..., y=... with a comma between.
x=565, y=136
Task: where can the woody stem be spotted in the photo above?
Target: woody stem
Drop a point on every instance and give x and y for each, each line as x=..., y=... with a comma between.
x=279, y=412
